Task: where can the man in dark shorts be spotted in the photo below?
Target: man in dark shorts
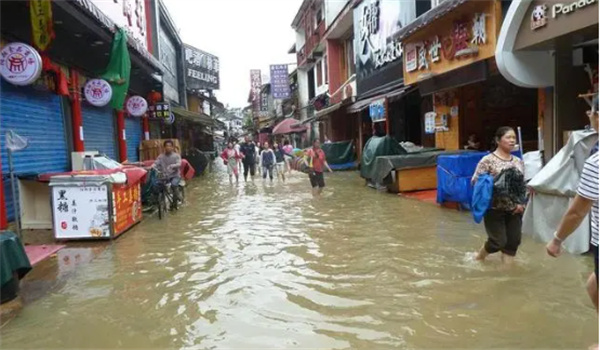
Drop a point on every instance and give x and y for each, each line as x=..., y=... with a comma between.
x=248, y=149
x=586, y=201
x=315, y=161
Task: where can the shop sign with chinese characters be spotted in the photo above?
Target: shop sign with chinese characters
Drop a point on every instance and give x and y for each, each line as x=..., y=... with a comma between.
x=464, y=36
x=128, y=207
x=136, y=106
x=201, y=69
x=98, y=92
x=20, y=64
x=80, y=212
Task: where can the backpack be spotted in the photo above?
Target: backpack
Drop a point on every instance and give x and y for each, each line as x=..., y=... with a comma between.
x=482, y=196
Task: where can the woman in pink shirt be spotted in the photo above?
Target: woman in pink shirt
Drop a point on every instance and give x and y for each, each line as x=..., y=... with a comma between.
x=288, y=149
x=231, y=158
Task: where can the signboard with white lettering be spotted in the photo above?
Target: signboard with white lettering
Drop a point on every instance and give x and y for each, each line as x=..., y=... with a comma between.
x=201, y=69
x=80, y=212
x=255, y=85
x=378, y=53
x=280, y=82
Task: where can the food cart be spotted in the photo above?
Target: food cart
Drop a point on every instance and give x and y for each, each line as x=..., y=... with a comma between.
x=96, y=204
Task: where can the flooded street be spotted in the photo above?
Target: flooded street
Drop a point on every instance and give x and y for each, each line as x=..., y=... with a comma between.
x=266, y=266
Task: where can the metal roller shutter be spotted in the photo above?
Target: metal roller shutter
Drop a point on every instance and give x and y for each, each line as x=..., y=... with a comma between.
x=99, y=130
x=133, y=132
x=36, y=115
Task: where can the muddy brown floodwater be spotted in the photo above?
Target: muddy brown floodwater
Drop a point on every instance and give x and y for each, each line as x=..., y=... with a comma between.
x=265, y=266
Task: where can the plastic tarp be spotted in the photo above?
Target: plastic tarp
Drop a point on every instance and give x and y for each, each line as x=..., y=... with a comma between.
x=118, y=70
x=384, y=165
x=454, y=173
x=553, y=189
x=377, y=147
x=339, y=152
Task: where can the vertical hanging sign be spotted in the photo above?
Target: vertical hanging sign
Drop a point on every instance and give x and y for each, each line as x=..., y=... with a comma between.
x=280, y=82
x=40, y=12
x=255, y=84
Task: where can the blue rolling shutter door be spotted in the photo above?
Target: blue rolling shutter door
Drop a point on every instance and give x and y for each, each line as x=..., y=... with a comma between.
x=133, y=132
x=36, y=115
x=99, y=130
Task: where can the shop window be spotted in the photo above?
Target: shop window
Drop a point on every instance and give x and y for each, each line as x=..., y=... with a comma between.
x=325, y=75
x=349, y=58
x=318, y=16
x=319, y=74
x=435, y=3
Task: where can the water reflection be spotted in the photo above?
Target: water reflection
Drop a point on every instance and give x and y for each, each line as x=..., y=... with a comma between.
x=263, y=265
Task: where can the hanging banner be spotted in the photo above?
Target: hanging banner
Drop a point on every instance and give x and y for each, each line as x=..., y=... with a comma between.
x=20, y=64
x=137, y=106
x=40, y=12
x=255, y=85
x=280, y=82
x=98, y=92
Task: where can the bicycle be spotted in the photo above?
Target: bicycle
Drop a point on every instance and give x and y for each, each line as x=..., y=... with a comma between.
x=166, y=196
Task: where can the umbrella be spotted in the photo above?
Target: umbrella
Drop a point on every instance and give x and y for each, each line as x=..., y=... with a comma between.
x=288, y=126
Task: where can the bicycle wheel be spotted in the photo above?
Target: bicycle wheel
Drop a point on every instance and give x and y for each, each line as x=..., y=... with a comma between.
x=162, y=209
x=175, y=193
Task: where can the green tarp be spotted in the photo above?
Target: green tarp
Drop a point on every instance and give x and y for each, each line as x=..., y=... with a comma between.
x=377, y=147
x=339, y=152
x=118, y=70
x=12, y=257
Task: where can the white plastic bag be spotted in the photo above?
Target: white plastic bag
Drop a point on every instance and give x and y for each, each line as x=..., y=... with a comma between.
x=15, y=142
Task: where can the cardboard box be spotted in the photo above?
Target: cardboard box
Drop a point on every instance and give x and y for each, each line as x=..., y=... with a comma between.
x=151, y=149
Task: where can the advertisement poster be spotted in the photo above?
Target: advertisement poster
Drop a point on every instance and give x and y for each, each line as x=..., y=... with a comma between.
x=128, y=207
x=80, y=212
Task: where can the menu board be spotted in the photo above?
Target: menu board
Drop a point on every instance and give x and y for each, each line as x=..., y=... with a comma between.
x=80, y=212
x=128, y=204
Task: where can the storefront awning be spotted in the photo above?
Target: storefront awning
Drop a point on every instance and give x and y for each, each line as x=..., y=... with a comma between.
x=325, y=111
x=193, y=116
x=288, y=126
x=391, y=96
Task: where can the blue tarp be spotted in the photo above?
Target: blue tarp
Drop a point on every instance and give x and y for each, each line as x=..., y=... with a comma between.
x=454, y=173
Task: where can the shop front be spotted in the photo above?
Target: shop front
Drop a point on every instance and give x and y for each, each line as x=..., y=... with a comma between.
x=449, y=55
x=552, y=46
x=384, y=105
x=54, y=109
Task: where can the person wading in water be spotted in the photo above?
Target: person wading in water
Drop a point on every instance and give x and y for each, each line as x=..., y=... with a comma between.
x=315, y=161
x=230, y=158
x=584, y=203
x=248, y=149
x=503, y=219
x=267, y=161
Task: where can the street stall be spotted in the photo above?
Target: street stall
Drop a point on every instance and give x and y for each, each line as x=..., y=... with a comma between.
x=95, y=204
x=401, y=167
